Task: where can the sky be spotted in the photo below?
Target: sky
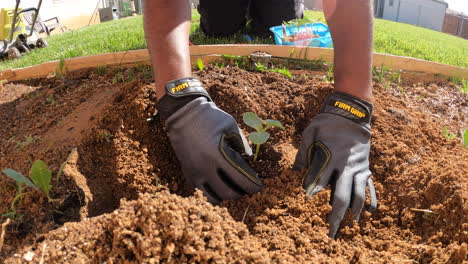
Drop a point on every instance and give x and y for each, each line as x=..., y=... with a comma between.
x=458, y=5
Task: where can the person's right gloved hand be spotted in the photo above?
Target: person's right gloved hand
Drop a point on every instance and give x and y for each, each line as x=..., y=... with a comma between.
x=335, y=151
x=207, y=141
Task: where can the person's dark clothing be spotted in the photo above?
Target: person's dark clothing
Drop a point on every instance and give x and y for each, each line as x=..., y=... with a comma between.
x=226, y=17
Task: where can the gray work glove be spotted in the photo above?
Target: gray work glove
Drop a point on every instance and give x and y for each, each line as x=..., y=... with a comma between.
x=207, y=141
x=335, y=150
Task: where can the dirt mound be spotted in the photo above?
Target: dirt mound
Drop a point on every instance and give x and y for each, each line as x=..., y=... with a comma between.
x=122, y=152
x=159, y=228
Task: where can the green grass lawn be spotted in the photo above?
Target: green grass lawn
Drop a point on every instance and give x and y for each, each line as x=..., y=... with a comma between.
x=127, y=34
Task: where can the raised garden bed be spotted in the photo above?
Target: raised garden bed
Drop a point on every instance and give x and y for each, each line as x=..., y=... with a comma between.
x=120, y=197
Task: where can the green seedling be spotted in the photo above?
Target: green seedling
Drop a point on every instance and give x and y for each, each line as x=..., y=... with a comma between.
x=26, y=142
x=465, y=138
x=455, y=79
x=239, y=61
x=104, y=136
x=39, y=174
x=219, y=64
x=20, y=182
x=282, y=71
x=119, y=77
x=464, y=86
x=379, y=74
x=16, y=200
x=329, y=76
x=260, y=67
x=384, y=76
x=101, y=70
x=447, y=134
x=146, y=72
x=261, y=126
x=60, y=71
x=200, y=64
x=50, y=99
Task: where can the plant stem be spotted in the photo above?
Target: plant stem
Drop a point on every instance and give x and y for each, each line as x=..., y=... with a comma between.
x=18, y=198
x=257, y=149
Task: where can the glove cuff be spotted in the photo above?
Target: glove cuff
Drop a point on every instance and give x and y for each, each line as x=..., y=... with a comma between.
x=349, y=107
x=179, y=93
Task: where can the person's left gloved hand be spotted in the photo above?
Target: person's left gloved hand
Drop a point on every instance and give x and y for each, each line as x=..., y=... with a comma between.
x=335, y=150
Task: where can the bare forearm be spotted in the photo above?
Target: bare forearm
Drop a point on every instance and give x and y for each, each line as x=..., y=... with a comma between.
x=167, y=26
x=351, y=26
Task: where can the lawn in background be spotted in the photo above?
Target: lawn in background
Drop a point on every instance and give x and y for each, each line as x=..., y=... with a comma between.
x=127, y=34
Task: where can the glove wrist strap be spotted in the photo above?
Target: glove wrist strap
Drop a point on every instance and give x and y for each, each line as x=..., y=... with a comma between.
x=179, y=93
x=349, y=107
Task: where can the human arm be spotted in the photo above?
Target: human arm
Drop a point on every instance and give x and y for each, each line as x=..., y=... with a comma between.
x=206, y=140
x=167, y=28
x=351, y=27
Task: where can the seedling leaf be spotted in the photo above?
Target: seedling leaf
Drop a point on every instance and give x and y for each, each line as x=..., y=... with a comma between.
x=200, y=64
x=18, y=177
x=41, y=176
x=260, y=67
x=274, y=123
x=259, y=138
x=448, y=134
x=252, y=120
x=445, y=131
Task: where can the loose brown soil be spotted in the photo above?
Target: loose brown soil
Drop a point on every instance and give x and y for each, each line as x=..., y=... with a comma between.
x=121, y=197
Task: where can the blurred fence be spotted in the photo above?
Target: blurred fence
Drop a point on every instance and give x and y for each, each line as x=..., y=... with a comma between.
x=456, y=24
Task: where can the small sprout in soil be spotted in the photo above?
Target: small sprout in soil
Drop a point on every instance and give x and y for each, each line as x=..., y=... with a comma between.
x=40, y=175
x=200, y=64
x=124, y=76
x=260, y=136
x=283, y=71
x=146, y=72
x=50, y=99
x=465, y=138
x=219, y=64
x=385, y=76
x=379, y=74
x=104, y=136
x=101, y=70
x=457, y=80
x=28, y=140
x=20, y=181
x=260, y=67
x=60, y=71
x=239, y=61
x=464, y=86
x=329, y=76
x=447, y=134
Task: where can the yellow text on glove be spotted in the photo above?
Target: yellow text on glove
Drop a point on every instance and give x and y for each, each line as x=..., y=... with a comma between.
x=179, y=87
x=350, y=109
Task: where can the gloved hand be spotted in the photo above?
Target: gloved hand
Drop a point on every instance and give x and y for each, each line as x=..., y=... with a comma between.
x=335, y=150
x=207, y=142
